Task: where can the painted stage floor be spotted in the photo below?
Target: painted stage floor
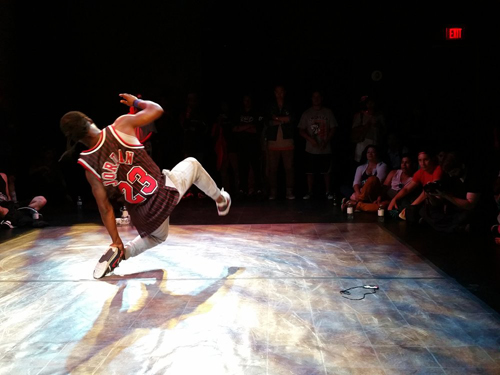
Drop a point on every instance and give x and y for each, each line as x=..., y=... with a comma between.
x=238, y=299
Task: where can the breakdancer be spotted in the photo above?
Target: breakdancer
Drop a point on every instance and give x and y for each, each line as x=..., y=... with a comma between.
x=117, y=163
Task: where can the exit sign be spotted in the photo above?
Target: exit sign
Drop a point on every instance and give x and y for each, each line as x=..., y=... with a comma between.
x=454, y=33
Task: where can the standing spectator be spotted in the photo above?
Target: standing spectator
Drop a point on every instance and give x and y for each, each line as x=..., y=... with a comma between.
x=317, y=125
x=195, y=135
x=395, y=150
x=247, y=140
x=225, y=149
x=280, y=142
x=195, y=129
x=167, y=150
x=368, y=127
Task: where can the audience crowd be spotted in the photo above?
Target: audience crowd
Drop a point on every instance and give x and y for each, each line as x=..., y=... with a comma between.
x=277, y=150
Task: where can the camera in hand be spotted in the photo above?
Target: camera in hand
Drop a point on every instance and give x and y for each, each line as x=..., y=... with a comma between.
x=435, y=186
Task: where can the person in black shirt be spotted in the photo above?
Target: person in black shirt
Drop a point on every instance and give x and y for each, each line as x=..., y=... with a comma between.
x=461, y=200
x=246, y=134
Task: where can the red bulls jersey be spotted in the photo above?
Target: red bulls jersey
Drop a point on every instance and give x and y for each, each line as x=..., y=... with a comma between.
x=127, y=169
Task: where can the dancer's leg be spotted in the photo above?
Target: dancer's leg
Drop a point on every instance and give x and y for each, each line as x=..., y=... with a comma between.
x=140, y=244
x=190, y=172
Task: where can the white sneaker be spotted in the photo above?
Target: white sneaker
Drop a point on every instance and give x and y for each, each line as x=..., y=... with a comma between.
x=223, y=208
x=307, y=196
x=108, y=262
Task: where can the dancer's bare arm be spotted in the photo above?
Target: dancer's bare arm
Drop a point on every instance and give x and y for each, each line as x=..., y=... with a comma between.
x=105, y=209
x=149, y=112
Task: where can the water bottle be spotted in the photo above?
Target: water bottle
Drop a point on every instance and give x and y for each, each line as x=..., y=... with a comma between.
x=124, y=212
x=79, y=204
x=335, y=199
x=125, y=219
x=380, y=213
x=350, y=211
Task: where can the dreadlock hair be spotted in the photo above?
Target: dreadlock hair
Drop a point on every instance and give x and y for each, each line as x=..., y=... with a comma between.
x=75, y=125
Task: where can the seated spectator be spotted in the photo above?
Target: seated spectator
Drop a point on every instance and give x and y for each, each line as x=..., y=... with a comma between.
x=397, y=179
x=14, y=214
x=367, y=185
x=429, y=171
x=44, y=177
x=394, y=182
x=460, y=200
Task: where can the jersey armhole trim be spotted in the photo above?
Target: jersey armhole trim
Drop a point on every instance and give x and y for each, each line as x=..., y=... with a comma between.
x=84, y=164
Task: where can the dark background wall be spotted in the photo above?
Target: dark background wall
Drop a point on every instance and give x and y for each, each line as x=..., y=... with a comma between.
x=79, y=55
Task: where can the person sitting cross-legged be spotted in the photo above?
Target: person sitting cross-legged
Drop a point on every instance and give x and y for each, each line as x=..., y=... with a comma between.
x=429, y=171
x=367, y=185
x=17, y=214
x=395, y=181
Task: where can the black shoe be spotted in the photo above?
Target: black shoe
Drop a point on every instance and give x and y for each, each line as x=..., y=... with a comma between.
x=6, y=224
x=16, y=218
x=39, y=224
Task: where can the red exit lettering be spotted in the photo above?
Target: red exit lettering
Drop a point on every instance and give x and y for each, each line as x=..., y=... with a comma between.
x=454, y=33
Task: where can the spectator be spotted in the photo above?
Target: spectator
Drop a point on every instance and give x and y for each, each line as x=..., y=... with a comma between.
x=247, y=142
x=280, y=142
x=460, y=200
x=394, y=151
x=225, y=149
x=429, y=171
x=367, y=185
x=317, y=126
x=196, y=133
x=195, y=129
x=45, y=178
x=394, y=182
x=14, y=214
x=399, y=178
x=368, y=126
x=441, y=156
x=11, y=151
x=167, y=150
